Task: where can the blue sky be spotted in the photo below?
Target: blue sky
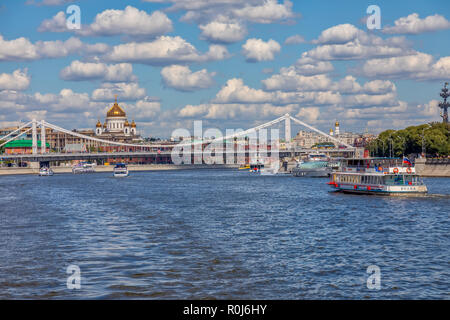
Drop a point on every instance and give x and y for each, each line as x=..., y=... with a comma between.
x=230, y=66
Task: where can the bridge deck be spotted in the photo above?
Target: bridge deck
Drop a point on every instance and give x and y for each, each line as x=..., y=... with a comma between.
x=141, y=154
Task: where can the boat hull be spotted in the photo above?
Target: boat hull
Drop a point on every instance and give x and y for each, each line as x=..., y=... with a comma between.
x=121, y=174
x=315, y=173
x=45, y=174
x=82, y=170
x=383, y=190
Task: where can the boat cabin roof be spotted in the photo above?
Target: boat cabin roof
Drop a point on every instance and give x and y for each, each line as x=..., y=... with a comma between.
x=375, y=161
x=121, y=165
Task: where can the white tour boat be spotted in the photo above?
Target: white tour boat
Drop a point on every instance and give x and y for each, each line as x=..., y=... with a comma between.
x=83, y=167
x=316, y=165
x=386, y=176
x=121, y=170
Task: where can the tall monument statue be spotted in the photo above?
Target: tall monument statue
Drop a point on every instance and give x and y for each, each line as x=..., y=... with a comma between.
x=444, y=105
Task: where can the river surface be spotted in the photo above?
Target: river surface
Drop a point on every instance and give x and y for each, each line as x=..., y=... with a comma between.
x=218, y=234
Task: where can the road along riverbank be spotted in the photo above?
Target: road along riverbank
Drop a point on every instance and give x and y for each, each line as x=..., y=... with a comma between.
x=146, y=167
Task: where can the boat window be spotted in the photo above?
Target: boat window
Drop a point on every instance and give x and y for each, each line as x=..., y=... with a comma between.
x=393, y=180
x=408, y=179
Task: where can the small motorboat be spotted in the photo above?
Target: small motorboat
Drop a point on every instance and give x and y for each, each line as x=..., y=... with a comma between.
x=83, y=167
x=120, y=170
x=45, y=171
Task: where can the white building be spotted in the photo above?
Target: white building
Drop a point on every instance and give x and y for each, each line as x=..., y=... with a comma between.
x=116, y=126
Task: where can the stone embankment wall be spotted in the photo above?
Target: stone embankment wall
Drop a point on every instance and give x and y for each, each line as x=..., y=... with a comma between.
x=149, y=167
x=433, y=167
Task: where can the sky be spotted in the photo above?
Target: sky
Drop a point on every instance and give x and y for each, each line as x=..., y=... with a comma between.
x=231, y=63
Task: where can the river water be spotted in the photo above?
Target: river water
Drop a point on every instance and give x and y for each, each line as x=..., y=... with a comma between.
x=218, y=234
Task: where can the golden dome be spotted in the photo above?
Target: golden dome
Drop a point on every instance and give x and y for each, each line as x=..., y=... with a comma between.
x=99, y=124
x=331, y=130
x=337, y=124
x=116, y=111
x=104, y=125
x=126, y=124
x=133, y=124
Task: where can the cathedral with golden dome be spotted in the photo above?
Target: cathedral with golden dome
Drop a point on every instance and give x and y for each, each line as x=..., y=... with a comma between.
x=116, y=126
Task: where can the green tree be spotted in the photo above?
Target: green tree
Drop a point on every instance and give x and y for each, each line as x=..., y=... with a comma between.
x=434, y=136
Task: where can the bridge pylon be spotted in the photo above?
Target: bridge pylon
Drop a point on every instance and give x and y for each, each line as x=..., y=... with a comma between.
x=34, y=136
x=43, y=142
x=287, y=130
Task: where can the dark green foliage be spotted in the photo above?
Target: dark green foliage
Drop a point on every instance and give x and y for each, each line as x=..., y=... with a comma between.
x=434, y=136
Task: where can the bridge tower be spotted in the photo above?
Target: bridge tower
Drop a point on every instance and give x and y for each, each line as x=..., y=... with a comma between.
x=287, y=130
x=34, y=135
x=43, y=140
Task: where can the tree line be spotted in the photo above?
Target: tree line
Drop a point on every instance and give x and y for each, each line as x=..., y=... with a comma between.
x=433, y=139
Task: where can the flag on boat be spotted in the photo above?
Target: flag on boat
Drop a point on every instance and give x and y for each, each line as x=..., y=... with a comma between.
x=406, y=160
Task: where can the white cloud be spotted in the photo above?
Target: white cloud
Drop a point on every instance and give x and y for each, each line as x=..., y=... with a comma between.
x=352, y=51
x=235, y=91
x=309, y=67
x=69, y=100
x=17, y=50
x=145, y=110
x=21, y=49
x=79, y=71
x=19, y=80
x=223, y=30
x=347, y=85
x=142, y=110
x=379, y=87
x=412, y=24
x=295, y=39
x=126, y=91
x=338, y=34
x=163, y=51
x=258, y=50
x=310, y=114
x=56, y=24
x=420, y=66
x=367, y=100
x=258, y=11
x=66, y=101
x=183, y=79
x=225, y=21
x=130, y=21
x=48, y=2
x=58, y=48
x=346, y=42
x=47, y=98
x=234, y=111
x=319, y=90
x=429, y=109
x=268, y=12
x=289, y=80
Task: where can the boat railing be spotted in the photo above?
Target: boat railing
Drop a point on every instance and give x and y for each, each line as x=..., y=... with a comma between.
x=380, y=169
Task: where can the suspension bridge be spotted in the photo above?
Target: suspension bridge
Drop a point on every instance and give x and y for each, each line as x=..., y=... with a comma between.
x=128, y=150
